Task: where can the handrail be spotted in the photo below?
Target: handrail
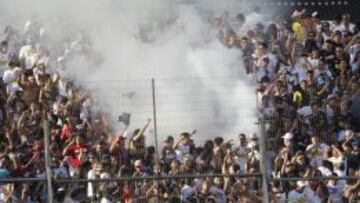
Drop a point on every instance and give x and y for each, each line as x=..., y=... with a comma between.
x=136, y=178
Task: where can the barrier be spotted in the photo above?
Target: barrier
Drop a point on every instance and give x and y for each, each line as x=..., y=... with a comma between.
x=166, y=100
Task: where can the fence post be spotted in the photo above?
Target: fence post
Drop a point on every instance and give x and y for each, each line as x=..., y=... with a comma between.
x=154, y=117
x=47, y=161
x=263, y=168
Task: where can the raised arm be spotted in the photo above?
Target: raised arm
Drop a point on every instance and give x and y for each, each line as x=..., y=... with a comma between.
x=116, y=141
x=341, y=153
x=224, y=144
x=142, y=131
x=352, y=42
x=177, y=142
x=10, y=140
x=64, y=152
x=35, y=156
x=151, y=191
x=113, y=144
x=345, y=144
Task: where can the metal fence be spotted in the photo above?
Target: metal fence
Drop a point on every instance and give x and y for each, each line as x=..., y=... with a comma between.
x=214, y=106
x=91, y=190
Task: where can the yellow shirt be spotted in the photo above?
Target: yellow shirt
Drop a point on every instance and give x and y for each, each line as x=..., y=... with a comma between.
x=297, y=28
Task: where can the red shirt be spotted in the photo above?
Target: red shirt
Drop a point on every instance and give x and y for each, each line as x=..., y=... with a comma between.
x=75, y=149
x=66, y=132
x=76, y=163
x=127, y=194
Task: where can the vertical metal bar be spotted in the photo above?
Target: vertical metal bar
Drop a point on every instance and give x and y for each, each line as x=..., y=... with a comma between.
x=263, y=168
x=154, y=117
x=47, y=161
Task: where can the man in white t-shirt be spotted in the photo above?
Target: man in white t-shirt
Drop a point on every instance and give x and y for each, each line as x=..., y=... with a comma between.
x=306, y=112
x=345, y=26
x=301, y=68
x=11, y=78
x=330, y=110
x=182, y=147
x=11, y=74
x=94, y=173
x=241, y=150
x=335, y=189
x=301, y=194
x=219, y=194
x=266, y=59
x=314, y=58
x=26, y=54
x=316, y=150
x=186, y=192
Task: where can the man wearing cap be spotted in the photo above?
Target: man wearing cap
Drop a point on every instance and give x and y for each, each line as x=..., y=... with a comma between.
x=253, y=141
x=168, y=154
x=316, y=21
x=289, y=143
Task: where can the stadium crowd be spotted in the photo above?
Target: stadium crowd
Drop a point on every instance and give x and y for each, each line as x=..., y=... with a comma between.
x=308, y=78
x=307, y=75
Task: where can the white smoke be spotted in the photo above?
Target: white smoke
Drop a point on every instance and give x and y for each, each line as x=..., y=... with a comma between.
x=200, y=84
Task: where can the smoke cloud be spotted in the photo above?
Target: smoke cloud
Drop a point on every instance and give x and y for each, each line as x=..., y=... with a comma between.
x=199, y=83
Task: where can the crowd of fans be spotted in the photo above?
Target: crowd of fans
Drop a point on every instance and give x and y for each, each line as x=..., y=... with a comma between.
x=307, y=74
x=308, y=78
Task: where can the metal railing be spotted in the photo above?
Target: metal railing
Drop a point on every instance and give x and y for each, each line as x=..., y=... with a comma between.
x=164, y=100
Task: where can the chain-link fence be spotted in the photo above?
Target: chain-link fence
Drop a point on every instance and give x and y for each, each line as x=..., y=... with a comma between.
x=301, y=143
x=213, y=106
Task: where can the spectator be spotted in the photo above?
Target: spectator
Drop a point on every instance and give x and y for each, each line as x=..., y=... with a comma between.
x=306, y=71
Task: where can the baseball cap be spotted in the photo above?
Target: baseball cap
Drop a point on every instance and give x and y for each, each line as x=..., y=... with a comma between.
x=138, y=163
x=300, y=183
x=288, y=136
x=253, y=136
x=315, y=14
x=252, y=144
x=331, y=96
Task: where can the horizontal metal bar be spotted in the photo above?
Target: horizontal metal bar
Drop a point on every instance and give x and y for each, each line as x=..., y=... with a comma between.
x=26, y=180
x=160, y=177
x=8, y=180
x=316, y=178
x=258, y=175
